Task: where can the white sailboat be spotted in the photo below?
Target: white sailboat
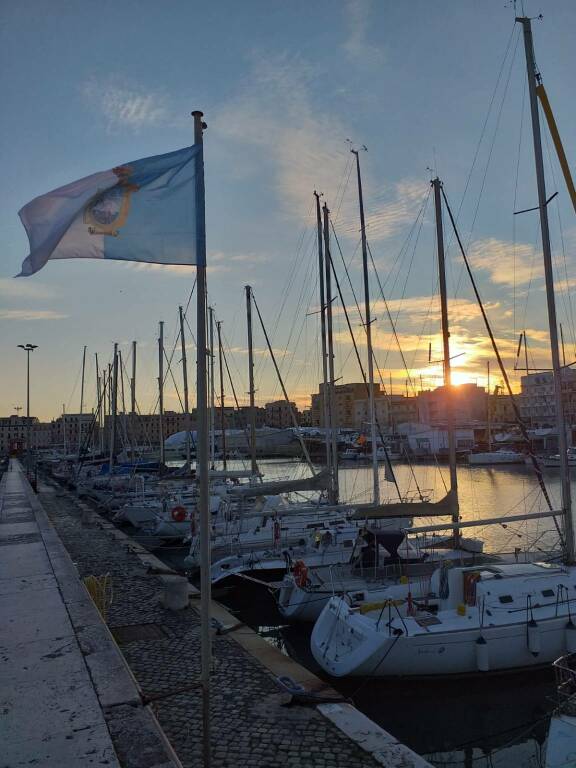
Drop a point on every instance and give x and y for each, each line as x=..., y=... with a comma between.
x=475, y=619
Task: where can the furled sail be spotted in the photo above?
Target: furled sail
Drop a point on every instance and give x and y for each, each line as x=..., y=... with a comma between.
x=446, y=506
x=317, y=483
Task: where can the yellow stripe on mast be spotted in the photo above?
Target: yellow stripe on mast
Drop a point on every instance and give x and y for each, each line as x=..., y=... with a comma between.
x=553, y=128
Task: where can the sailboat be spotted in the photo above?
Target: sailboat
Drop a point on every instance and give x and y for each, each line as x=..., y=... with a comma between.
x=493, y=617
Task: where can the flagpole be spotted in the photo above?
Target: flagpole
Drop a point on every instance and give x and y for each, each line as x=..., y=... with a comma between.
x=202, y=445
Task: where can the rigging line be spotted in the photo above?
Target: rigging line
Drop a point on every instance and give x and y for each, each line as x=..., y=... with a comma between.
x=503, y=371
x=233, y=388
x=362, y=371
x=490, y=153
x=522, y=110
x=292, y=414
x=485, y=125
x=173, y=379
x=569, y=309
x=390, y=320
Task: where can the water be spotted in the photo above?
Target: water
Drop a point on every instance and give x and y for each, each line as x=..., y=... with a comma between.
x=489, y=722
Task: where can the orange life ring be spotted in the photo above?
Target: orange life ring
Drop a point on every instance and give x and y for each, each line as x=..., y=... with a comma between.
x=178, y=514
x=300, y=573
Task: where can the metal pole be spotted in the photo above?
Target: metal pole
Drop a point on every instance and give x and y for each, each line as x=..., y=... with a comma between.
x=489, y=412
x=533, y=77
x=436, y=184
x=222, y=412
x=161, y=393
x=133, y=380
x=212, y=420
x=81, y=403
x=563, y=348
x=202, y=449
x=254, y=466
x=28, y=411
x=98, y=417
x=185, y=380
x=368, y=324
x=331, y=404
x=325, y=396
x=114, y=395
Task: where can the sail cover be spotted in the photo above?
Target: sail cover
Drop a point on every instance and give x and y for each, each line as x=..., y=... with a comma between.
x=319, y=482
x=446, y=506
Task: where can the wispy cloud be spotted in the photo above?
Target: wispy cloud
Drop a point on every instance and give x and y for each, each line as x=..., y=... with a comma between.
x=124, y=104
x=506, y=263
x=358, y=48
x=22, y=288
x=31, y=314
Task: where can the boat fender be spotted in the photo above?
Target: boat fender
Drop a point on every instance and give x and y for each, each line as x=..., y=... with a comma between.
x=300, y=572
x=482, y=655
x=178, y=514
x=570, y=637
x=533, y=637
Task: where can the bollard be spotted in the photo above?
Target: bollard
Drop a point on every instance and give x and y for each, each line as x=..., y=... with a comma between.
x=175, y=596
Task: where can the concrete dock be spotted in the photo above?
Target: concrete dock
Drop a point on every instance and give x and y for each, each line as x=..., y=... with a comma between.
x=60, y=540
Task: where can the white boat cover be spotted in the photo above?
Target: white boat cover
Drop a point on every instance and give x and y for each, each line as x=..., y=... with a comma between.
x=446, y=506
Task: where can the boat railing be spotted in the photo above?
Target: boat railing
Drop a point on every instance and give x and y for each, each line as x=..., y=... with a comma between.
x=565, y=673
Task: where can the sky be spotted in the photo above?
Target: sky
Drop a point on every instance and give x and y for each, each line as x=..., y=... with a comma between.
x=287, y=89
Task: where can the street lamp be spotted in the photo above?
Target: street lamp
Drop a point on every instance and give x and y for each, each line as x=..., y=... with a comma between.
x=28, y=348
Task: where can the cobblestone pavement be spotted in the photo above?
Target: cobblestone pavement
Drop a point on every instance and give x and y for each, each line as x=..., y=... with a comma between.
x=251, y=727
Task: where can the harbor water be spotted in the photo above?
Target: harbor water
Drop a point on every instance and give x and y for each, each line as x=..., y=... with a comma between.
x=485, y=722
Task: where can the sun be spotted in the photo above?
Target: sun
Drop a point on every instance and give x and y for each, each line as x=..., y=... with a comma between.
x=462, y=377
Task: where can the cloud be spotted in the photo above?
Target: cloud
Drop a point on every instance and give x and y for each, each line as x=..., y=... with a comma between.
x=217, y=262
x=506, y=263
x=276, y=112
x=22, y=288
x=30, y=314
x=124, y=104
x=357, y=47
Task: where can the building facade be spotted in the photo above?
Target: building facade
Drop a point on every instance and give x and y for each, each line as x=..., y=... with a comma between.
x=345, y=396
x=537, y=404
x=469, y=403
x=278, y=414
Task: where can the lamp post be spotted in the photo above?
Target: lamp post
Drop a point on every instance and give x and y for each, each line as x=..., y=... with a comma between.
x=28, y=348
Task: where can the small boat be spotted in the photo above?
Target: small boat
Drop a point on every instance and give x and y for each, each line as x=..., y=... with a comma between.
x=501, y=456
x=554, y=461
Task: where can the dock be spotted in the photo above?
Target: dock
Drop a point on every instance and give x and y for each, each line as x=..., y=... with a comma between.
x=123, y=692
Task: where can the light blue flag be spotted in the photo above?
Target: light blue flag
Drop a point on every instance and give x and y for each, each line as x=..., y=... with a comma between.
x=149, y=210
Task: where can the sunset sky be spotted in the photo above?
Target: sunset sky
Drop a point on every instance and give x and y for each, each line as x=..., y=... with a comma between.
x=283, y=86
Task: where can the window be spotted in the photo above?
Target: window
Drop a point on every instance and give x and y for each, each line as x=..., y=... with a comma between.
x=548, y=592
x=506, y=599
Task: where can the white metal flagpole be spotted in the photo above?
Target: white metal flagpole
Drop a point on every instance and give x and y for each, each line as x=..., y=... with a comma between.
x=202, y=445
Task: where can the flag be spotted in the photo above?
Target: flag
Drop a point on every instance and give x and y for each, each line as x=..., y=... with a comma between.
x=149, y=210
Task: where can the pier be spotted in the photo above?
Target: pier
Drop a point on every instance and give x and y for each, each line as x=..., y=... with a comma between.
x=124, y=692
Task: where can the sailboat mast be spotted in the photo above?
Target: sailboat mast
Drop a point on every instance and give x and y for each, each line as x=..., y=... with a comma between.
x=212, y=400
x=436, y=184
x=222, y=411
x=133, y=380
x=185, y=382
x=533, y=79
x=254, y=466
x=114, y=394
x=161, y=392
x=98, y=416
x=325, y=407
x=331, y=404
x=81, y=402
x=489, y=410
x=368, y=324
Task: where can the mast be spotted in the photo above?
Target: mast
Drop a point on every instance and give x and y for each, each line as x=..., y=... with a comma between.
x=133, y=381
x=81, y=402
x=222, y=412
x=202, y=448
x=99, y=403
x=64, y=425
x=489, y=413
x=185, y=381
x=325, y=407
x=161, y=392
x=114, y=394
x=331, y=405
x=533, y=79
x=368, y=324
x=212, y=420
x=251, y=391
x=436, y=184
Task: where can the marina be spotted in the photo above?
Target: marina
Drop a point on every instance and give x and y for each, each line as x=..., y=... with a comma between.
x=312, y=505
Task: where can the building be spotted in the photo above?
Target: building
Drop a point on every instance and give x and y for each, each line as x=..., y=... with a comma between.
x=14, y=434
x=424, y=440
x=469, y=404
x=501, y=409
x=279, y=414
x=537, y=405
x=345, y=396
x=73, y=431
